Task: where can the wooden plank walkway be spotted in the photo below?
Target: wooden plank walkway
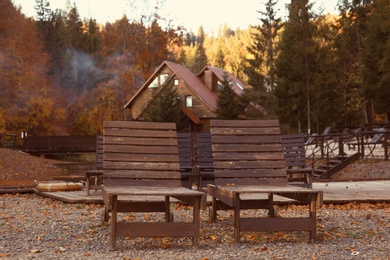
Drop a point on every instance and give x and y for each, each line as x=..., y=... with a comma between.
x=334, y=192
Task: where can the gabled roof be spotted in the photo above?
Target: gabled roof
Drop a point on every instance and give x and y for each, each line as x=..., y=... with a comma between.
x=191, y=80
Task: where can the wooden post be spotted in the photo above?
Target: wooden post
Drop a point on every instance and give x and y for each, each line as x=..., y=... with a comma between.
x=362, y=145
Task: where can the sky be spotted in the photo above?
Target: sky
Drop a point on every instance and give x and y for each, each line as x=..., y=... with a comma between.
x=188, y=13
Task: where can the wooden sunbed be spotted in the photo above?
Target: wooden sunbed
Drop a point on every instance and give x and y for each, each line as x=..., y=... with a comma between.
x=295, y=157
x=140, y=160
x=248, y=159
x=204, y=160
x=377, y=138
x=94, y=177
x=186, y=155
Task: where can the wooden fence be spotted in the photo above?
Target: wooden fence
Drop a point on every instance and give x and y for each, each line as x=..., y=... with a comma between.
x=7, y=140
x=59, y=144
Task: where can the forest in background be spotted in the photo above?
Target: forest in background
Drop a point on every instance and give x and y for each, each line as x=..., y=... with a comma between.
x=63, y=74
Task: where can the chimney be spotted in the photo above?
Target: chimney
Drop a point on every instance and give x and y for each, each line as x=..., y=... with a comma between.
x=208, y=80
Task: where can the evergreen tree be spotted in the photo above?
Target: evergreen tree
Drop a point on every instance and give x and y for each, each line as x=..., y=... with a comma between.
x=165, y=106
x=295, y=66
x=377, y=57
x=228, y=106
x=349, y=52
x=261, y=68
x=200, y=59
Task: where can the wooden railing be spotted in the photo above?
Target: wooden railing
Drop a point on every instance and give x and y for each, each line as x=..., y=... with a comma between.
x=369, y=144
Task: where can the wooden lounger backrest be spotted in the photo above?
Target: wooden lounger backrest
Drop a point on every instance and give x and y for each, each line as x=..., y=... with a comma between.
x=99, y=152
x=185, y=151
x=294, y=150
x=248, y=152
x=140, y=154
x=204, y=153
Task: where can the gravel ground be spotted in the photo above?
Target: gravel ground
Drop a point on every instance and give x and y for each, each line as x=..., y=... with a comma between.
x=34, y=227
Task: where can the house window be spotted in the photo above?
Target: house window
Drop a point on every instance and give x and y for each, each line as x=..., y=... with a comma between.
x=176, y=82
x=188, y=101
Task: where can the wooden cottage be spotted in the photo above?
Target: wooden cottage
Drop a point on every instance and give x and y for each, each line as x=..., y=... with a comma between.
x=198, y=93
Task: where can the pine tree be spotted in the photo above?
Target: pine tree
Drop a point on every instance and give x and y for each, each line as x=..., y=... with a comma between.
x=261, y=68
x=228, y=106
x=200, y=59
x=165, y=106
x=349, y=52
x=376, y=58
x=295, y=66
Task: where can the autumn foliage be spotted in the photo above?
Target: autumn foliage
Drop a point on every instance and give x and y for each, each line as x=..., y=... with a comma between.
x=62, y=75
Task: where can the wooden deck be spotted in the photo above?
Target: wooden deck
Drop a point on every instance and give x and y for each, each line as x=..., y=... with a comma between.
x=334, y=192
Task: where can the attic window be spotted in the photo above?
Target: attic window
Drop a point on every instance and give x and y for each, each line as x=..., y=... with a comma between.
x=188, y=101
x=154, y=83
x=163, y=78
x=159, y=80
x=176, y=82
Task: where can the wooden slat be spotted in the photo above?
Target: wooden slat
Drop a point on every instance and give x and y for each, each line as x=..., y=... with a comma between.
x=243, y=181
x=139, y=125
x=233, y=165
x=240, y=156
x=150, y=166
x=139, y=174
x=247, y=147
x=130, y=140
x=246, y=139
x=155, y=229
x=250, y=173
x=149, y=184
x=163, y=149
x=246, y=123
x=276, y=224
x=141, y=157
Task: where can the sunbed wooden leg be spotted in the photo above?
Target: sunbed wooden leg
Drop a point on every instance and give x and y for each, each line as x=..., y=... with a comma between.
x=88, y=185
x=167, y=210
x=196, y=220
x=113, y=221
x=313, y=217
x=213, y=210
x=272, y=211
x=237, y=219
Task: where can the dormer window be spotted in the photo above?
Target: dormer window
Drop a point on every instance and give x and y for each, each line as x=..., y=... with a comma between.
x=176, y=82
